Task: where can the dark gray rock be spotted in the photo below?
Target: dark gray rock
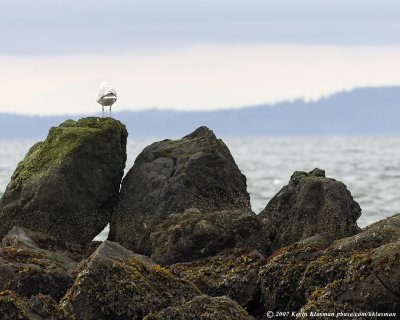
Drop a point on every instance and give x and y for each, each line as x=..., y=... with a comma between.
x=203, y=308
x=310, y=204
x=170, y=176
x=68, y=184
x=360, y=273
x=115, y=283
x=194, y=235
x=280, y=278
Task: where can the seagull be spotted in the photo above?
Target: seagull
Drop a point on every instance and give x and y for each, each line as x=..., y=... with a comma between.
x=106, y=96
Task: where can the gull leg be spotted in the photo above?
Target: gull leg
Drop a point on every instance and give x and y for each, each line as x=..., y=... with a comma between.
x=102, y=111
x=110, y=111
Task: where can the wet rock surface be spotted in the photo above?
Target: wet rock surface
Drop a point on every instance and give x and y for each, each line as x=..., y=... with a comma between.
x=310, y=204
x=68, y=184
x=170, y=176
x=194, y=235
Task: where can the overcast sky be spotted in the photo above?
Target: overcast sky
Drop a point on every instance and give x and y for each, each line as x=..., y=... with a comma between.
x=192, y=54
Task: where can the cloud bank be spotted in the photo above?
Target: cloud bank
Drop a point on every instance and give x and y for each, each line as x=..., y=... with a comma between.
x=195, y=77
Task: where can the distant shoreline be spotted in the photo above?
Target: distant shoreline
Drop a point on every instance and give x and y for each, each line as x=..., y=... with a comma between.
x=362, y=111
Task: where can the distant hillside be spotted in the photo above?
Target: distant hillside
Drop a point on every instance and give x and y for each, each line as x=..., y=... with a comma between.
x=361, y=111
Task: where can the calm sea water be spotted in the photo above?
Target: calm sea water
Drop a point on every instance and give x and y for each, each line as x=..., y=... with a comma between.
x=369, y=166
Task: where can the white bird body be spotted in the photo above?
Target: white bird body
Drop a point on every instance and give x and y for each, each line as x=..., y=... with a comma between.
x=106, y=96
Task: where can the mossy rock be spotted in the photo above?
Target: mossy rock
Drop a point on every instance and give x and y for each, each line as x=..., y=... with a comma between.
x=67, y=185
x=115, y=283
x=170, y=176
x=308, y=205
x=203, y=308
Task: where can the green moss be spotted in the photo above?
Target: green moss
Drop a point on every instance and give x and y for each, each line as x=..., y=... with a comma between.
x=303, y=177
x=61, y=143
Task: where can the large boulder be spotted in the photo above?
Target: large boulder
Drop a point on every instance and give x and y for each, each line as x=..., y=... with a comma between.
x=310, y=204
x=193, y=235
x=202, y=308
x=115, y=283
x=68, y=184
x=170, y=176
x=357, y=274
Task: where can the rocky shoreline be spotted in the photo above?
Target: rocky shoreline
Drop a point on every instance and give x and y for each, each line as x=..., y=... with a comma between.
x=184, y=242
